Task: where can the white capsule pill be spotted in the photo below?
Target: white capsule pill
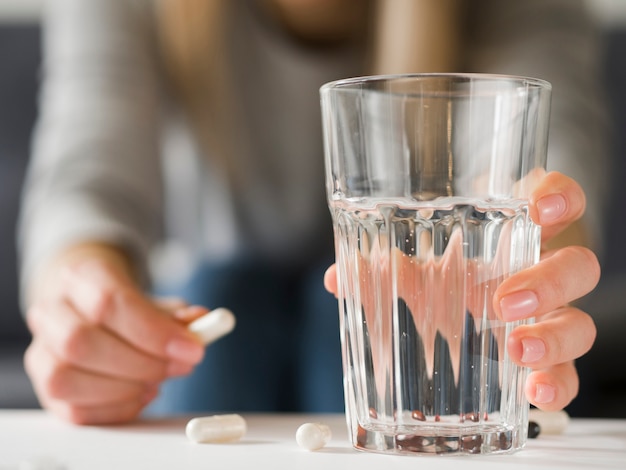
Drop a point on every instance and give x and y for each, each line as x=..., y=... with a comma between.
x=216, y=429
x=550, y=422
x=213, y=325
x=313, y=436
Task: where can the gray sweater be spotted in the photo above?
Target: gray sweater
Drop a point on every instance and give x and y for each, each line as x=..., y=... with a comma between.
x=113, y=161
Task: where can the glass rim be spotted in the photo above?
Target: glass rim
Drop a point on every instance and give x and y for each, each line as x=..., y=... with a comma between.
x=352, y=82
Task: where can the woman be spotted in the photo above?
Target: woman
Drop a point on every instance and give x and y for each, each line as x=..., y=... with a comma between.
x=230, y=90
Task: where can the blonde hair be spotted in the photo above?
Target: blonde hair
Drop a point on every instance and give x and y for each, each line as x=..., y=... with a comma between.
x=416, y=36
x=192, y=36
x=408, y=36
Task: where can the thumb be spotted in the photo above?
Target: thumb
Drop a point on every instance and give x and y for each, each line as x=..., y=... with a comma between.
x=108, y=297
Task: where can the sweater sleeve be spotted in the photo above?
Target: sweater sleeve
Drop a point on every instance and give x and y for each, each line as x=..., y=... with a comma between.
x=555, y=40
x=94, y=173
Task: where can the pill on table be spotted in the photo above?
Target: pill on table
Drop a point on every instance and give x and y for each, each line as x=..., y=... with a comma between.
x=550, y=422
x=533, y=430
x=213, y=325
x=313, y=436
x=216, y=429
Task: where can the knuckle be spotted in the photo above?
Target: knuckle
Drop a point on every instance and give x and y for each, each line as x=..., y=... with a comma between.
x=36, y=315
x=592, y=263
x=157, y=373
x=560, y=346
x=123, y=298
x=590, y=331
x=556, y=286
x=29, y=360
x=127, y=413
x=107, y=301
x=574, y=380
x=556, y=346
x=55, y=382
x=569, y=383
x=77, y=415
x=100, y=309
x=76, y=343
x=585, y=258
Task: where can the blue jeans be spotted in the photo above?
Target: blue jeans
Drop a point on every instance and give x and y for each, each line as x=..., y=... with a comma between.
x=283, y=355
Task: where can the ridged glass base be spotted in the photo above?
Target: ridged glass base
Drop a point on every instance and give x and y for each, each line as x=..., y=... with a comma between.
x=483, y=439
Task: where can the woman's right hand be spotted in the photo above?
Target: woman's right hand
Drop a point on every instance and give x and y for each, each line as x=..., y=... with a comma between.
x=561, y=332
x=100, y=347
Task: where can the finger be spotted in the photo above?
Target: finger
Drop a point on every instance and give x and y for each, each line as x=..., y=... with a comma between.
x=84, y=345
x=56, y=380
x=170, y=303
x=561, y=337
x=554, y=388
x=104, y=300
x=555, y=203
x=330, y=279
x=189, y=313
x=562, y=277
x=112, y=413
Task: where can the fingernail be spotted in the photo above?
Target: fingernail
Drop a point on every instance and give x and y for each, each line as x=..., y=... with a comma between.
x=533, y=350
x=177, y=369
x=551, y=208
x=544, y=393
x=185, y=350
x=190, y=312
x=518, y=305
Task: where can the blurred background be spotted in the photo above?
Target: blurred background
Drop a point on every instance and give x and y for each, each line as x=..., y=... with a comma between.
x=603, y=376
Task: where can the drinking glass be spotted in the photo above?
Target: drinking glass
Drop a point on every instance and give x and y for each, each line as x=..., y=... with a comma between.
x=428, y=178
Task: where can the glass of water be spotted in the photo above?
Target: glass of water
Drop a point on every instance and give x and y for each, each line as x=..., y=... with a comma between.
x=428, y=178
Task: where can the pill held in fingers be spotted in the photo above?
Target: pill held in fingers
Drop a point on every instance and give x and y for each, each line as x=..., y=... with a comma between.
x=216, y=429
x=213, y=325
x=313, y=436
x=550, y=422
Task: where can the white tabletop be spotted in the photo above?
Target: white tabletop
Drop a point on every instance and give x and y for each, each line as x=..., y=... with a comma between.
x=35, y=440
